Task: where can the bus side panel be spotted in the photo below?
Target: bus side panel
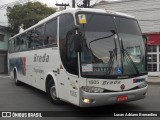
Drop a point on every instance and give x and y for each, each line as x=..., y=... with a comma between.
x=51, y=66
x=17, y=62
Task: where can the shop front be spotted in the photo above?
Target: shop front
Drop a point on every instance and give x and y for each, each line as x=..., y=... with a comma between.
x=153, y=49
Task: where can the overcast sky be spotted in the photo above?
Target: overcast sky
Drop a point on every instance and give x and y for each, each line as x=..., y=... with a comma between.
x=50, y=3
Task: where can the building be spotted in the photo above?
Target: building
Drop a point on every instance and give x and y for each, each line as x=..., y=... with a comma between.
x=147, y=13
x=4, y=37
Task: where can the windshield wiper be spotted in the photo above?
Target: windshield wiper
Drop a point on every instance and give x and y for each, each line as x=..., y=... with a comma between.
x=113, y=33
x=113, y=54
x=125, y=52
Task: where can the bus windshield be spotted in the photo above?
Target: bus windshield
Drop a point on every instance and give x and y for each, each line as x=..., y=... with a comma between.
x=112, y=45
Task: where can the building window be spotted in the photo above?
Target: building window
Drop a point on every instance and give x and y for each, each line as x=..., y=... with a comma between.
x=152, y=58
x=152, y=67
x=1, y=37
x=152, y=48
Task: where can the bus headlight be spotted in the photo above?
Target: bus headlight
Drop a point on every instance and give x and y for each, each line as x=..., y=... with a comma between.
x=92, y=89
x=142, y=85
x=86, y=100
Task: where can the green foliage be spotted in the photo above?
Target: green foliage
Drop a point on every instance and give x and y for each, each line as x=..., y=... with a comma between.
x=27, y=14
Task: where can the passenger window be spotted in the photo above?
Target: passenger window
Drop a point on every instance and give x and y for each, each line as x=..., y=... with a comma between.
x=13, y=45
x=30, y=39
x=17, y=44
x=39, y=36
x=9, y=46
x=51, y=33
x=23, y=40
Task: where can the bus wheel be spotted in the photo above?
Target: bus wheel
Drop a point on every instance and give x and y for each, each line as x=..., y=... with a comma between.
x=51, y=92
x=17, y=82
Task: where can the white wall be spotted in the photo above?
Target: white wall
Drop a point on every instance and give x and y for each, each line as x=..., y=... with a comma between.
x=146, y=11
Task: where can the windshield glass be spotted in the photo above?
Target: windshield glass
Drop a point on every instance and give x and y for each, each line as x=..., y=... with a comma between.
x=133, y=44
x=104, y=39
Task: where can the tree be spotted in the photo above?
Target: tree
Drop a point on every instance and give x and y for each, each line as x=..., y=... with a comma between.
x=27, y=14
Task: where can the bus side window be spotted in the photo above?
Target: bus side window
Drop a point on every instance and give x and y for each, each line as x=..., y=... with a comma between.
x=50, y=33
x=13, y=45
x=30, y=39
x=9, y=46
x=17, y=44
x=23, y=44
x=39, y=36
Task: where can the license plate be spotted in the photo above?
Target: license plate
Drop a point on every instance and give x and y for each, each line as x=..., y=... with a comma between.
x=122, y=98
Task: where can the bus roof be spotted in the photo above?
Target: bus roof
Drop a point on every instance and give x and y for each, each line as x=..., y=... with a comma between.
x=73, y=11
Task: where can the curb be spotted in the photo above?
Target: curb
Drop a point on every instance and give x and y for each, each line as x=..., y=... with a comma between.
x=5, y=76
x=154, y=83
x=153, y=80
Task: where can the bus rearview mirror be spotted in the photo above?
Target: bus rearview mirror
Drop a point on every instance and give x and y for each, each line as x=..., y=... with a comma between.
x=77, y=42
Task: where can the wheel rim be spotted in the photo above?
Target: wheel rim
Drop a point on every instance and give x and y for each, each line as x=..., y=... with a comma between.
x=53, y=92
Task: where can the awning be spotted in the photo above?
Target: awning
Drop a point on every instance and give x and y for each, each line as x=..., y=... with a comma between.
x=153, y=39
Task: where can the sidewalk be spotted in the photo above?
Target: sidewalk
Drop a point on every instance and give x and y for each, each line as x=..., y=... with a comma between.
x=4, y=76
x=154, y=80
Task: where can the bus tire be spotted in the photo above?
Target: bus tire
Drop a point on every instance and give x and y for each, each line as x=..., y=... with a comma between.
x=51, y=92
x=17, y=82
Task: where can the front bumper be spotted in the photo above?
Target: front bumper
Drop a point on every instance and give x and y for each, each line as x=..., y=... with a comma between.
x=100, y=99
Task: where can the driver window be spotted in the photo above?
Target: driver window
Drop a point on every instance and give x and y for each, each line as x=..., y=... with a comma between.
x=71, y=53
x=66, y=43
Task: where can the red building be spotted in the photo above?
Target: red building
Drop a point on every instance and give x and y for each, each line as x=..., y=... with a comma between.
x=153, y=48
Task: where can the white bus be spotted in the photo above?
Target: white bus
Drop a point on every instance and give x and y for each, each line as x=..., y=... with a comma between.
x=87, y=57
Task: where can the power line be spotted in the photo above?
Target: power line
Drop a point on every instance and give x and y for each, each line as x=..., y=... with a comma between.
x=78, y=2
x=63, y=5
x=97, y=1
x=86, y=4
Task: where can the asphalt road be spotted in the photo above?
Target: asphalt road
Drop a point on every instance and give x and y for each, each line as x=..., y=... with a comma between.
x=26, y=98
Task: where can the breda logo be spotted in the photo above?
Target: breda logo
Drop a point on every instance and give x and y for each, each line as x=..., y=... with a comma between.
x=122, y=87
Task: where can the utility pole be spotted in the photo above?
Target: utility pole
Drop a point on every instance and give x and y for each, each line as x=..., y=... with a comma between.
x=73, y=3
x=86, y=3
x=62, y=5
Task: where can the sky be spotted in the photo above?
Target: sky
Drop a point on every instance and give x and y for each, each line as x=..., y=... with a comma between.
x=50, y=3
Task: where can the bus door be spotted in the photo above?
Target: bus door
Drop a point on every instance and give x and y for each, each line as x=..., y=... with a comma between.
x=68, y=73
x=68, y=86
